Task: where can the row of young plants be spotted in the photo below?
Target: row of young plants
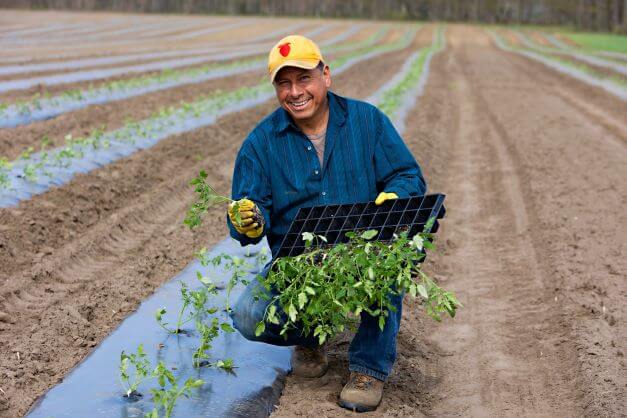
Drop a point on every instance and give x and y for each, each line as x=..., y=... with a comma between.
x=588, y=58
x=45, y=106
x=605, y=45
x=200, y=307
x=614, y=85
x=34, y=171
x=397, y=101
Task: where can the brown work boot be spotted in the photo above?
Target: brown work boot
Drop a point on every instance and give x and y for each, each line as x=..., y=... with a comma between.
x=309, y=362
x=362, y=393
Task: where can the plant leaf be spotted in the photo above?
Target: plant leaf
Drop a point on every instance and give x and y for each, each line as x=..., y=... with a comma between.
x=302, y=300
x=292, y=312
x=422, y=290
x=370, y=234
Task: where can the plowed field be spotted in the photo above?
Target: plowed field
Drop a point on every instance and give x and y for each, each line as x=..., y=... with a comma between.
x=534, y=243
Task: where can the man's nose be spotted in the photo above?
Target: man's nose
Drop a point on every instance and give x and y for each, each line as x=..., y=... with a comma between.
x=295, y=90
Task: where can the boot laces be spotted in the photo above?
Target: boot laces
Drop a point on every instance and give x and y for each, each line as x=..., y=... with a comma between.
x=362, y=381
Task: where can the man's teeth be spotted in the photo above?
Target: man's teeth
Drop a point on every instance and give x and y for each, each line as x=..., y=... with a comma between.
x=300, y=104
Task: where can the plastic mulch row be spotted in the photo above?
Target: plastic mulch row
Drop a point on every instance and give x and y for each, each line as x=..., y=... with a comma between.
x=391, y=217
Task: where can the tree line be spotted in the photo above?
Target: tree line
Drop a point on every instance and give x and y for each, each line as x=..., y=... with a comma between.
x=598, y=15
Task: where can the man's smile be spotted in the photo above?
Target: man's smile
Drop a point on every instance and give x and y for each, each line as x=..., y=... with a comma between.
x=299, y=105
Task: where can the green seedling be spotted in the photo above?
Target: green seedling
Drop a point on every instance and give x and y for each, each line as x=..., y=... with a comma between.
x=169, y=391
x=226, y=364
x=188, y=300
x=207, y=334
x=206, y=199
x=30, y=172
x=134, y=369
x=45, y=141
x=238, y=267
x=26, y=154
x=5, y=167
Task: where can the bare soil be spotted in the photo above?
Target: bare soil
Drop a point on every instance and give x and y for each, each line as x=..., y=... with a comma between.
x=78, y=259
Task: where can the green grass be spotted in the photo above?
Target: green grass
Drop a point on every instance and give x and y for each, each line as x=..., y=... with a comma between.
x=599, y=41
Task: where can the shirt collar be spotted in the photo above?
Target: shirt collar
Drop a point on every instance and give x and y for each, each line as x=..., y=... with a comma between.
x=337, y=114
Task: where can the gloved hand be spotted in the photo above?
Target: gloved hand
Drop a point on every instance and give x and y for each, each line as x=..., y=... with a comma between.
x=383, y=196
x=252, y=221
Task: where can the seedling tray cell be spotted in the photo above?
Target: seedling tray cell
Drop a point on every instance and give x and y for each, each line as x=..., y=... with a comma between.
x=391, y=217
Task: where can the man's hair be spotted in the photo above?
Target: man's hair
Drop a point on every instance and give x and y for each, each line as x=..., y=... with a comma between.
x=320, y=66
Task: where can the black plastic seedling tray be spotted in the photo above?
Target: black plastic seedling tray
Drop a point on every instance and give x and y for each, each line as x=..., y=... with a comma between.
x=391, y=217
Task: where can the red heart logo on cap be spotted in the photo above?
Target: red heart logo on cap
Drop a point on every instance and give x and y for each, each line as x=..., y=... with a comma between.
x=284, y=49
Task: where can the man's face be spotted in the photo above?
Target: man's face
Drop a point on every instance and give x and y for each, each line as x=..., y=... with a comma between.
x=302, y=93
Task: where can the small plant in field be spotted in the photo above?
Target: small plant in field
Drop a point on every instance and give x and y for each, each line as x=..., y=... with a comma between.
x=226, y=364
x=23, y=108
x=209, y=332
x=325, y=290
x=140, y=366
x=196, y=299
x=5, y=167
x=30, y=172
x=169, y=391
x=207, y=198
x=45, y=141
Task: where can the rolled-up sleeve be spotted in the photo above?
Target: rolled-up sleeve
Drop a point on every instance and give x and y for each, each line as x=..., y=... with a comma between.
x=250, y=180
x=396, y=169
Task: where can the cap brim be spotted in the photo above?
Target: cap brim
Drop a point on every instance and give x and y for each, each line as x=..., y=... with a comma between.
x=304, y=64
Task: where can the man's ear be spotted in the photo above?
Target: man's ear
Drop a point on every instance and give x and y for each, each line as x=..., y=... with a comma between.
x=326, y=74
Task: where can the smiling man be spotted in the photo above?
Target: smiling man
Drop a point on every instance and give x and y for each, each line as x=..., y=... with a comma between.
x=318, y=148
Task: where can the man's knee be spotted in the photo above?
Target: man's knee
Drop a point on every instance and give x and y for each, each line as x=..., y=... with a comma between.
x=247, y=313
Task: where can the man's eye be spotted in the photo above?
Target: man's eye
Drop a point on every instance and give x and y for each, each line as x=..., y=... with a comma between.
x=305, y=77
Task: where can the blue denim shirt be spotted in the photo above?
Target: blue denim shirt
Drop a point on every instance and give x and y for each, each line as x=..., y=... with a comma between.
x=278, y=169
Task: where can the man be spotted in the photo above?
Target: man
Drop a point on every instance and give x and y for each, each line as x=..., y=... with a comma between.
x=318, y=148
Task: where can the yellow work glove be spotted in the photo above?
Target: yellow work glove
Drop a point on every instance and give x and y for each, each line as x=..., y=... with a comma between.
x=252, y=221
x=383, y=196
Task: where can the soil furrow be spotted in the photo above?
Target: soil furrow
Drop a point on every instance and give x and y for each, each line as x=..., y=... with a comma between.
x=519, y=172
x=104, y=267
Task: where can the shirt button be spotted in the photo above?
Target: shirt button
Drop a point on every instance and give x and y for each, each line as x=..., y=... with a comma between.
x=324, y=193
x=316, y=172
x=309, y=148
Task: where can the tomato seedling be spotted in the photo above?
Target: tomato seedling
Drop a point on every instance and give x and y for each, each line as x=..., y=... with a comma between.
x=169, y=391
x=207, y=198
x=140, y=366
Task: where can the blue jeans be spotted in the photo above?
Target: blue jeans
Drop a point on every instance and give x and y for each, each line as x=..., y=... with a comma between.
x=372, y=351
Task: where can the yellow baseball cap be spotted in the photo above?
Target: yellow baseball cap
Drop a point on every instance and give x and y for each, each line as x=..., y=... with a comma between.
x=293, y=51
